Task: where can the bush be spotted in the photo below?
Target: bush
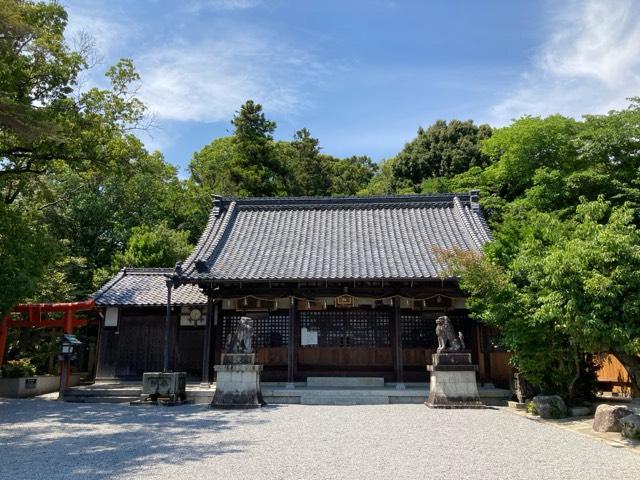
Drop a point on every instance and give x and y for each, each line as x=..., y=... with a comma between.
x=19, y=368
x=531, y=408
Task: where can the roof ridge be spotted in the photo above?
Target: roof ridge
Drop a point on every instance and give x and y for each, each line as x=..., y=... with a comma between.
x=143, y=270
x=210, y=229
x=468, y=223
x=344, y=199
x=209, y=241
x=107, y=286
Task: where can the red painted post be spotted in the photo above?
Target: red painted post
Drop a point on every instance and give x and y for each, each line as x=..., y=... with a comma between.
x=68, y=324
x=68, y=328
x=4, y=333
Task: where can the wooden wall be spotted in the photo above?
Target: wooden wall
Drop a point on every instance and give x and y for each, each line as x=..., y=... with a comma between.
x=136, y=345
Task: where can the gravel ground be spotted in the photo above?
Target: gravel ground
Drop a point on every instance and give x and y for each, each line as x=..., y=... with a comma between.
x=48, y=439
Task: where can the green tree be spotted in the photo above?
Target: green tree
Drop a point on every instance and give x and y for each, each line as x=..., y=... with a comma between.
x=308, y=170
x=559, y=288
x=442, y=150
x=155, y=246
x=43, y=117
x=351, y=175
x=94, y=214
x=26, y=247
x=258, y=173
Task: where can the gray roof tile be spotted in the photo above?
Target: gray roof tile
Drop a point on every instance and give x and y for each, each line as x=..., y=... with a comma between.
x=146, y=287
x=333, y=238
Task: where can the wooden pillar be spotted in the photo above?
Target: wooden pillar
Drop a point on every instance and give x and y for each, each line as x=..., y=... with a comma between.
x=477, y=345
x=397, y=343
x=291, y=345
x=206, y=346
x=218, y=331
x=68, y=328
x=167, y=328
x=68, y=321
x=486, y=348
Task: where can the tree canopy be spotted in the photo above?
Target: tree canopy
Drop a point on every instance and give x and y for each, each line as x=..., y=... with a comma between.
x=442, y=150
x=560, y=279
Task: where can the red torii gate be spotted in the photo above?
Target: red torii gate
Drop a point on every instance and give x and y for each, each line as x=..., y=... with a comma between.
x=34, y=313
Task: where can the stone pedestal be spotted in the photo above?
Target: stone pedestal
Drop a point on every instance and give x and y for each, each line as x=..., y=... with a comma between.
x=238, y=382
x=453, y=382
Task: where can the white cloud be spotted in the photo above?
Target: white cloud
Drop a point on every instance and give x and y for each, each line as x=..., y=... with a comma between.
x=89, y=18
x=209, y=79
x=199, y=5
x=589, y=64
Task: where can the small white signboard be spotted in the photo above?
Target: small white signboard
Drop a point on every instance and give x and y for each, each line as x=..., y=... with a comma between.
x=111, y=317
x=308, y=337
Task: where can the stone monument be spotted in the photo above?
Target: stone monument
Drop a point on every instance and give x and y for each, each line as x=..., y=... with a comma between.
x=453, y=376
x=238, y=376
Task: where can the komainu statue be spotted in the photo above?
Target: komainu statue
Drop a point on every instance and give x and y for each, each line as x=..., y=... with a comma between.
x=240, y=340
x=448, y=341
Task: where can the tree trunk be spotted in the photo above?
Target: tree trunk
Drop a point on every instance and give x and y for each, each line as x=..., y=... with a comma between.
x=572, y=385
x=632, y=364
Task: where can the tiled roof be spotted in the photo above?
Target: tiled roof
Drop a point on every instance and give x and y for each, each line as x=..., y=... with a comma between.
x=146, y=287
x=332, y=238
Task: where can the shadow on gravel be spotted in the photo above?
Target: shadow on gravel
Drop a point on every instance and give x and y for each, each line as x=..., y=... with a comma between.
x=100, y=440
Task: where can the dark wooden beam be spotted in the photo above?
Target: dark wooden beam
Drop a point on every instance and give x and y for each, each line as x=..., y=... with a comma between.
x=206, y=347
x=291, y=346
x=375, y=292
x=167, y=328
x=397, y=343
x=218, y=341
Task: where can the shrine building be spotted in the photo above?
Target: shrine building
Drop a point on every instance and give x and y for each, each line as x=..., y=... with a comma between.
x=337, y=286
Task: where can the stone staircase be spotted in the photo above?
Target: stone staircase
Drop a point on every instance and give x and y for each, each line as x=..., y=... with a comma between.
x=361, y=391
x=343, y=391
x=103, y=393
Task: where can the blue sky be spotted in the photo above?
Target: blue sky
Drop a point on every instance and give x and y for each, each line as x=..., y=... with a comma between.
x=362, y=75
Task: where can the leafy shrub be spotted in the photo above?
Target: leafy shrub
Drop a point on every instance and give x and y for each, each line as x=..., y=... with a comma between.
x=554, y=410
x=531, y=408
x=19, y=368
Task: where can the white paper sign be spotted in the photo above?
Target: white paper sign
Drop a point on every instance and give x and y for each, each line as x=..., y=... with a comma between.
x=308, y=337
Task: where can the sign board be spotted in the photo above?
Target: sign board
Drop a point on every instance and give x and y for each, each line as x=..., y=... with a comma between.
x=111, y=317
x=345, y=301
x=30, y=383
x=308, y=337
x=193, y=317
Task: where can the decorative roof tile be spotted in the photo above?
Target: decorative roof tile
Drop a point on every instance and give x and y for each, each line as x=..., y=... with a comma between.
x=146, y=287
x=332, y=238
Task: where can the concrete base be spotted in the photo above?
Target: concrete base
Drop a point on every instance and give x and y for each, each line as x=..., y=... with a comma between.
x=453, y=382
x=517, y=405
x=238, y=383
x=23, y=387
x=351, y=382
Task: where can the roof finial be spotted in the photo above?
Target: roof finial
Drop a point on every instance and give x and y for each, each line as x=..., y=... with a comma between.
x=473, y=199
x=217, y=204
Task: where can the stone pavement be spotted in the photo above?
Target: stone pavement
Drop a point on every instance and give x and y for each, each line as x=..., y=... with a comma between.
x=56, y=440
x=584, y=426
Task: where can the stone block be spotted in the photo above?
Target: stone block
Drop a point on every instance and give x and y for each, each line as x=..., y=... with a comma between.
x=453, y=389
x=237, y=386
x=550, y=406
x=517, y=405
x=579, y=411
x=631, y=426
x=607, y=418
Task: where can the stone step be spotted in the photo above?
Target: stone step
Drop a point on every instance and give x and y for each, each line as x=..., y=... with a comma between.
x=344, y=400
x=354, y=382
x=108, y=399
x=103, y=392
